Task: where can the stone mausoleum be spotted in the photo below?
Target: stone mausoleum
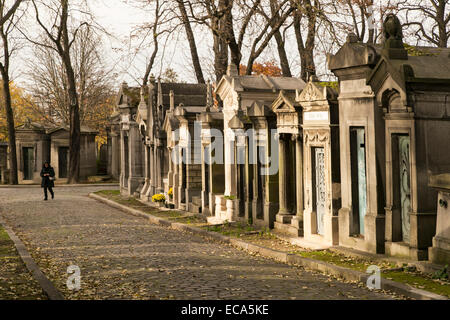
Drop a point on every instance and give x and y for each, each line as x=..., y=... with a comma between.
x=360, y=163
x=37, y=144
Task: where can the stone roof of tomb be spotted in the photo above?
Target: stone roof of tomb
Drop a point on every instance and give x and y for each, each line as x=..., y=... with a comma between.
x=83, y=130
x=354, y=54
x=188, y=94
x=430, y=63
x=426, y=65
x=32, y=126
x=262, y=83
x=132, y=94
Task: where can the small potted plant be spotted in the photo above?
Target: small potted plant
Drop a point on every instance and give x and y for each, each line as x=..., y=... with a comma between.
x=170, y=194
x=159, y=199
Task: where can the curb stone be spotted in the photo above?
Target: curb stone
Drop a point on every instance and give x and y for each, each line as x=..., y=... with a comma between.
x=46, y=285
x=287, y=258
x=7, y=186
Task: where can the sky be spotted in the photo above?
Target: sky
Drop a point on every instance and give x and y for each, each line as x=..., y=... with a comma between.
x=120, y=17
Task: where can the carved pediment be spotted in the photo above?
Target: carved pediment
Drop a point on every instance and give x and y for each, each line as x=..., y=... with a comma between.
x=284, y=103
x=235, y=123
x=316, y=136
x=258, y=109
x=312, y=92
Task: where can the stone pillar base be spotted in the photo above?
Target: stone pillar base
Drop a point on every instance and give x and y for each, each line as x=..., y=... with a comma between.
x=439, y=256
x=133, y=184
x=401, y=249
x=289, y=224
x=373, y=240
x=270, y=212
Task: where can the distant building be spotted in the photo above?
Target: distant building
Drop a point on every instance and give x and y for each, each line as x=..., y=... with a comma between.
x=37, y=144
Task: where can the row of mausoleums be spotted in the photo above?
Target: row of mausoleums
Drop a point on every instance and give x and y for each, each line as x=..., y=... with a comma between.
x=36, y=144
x=348, y=165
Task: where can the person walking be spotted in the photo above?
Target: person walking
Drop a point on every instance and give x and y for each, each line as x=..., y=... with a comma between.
x=48, y=177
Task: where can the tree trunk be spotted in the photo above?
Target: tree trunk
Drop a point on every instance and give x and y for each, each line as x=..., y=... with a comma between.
x=284, y=62
x=74, y=108
x=220, y=48
x=75, y=130
x=227, y=22
x=442, y=25
x=192, y=43
x=13, y=178
x=306, y=50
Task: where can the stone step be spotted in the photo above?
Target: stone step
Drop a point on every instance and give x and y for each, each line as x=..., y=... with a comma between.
x=197, y=201
x=221, y=202
x=288, y=229
x=194, y=208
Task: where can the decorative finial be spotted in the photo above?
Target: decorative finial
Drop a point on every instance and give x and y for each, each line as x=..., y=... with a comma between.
x=313, y=78
x=172, y=100
x=393, y=38
x=352, y=38
x=232, y=70
x=143, y=94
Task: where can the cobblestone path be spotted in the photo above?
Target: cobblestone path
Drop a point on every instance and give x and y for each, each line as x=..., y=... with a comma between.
x=124, y=257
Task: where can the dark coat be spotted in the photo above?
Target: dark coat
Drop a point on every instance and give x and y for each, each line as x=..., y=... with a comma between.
x=46, y=182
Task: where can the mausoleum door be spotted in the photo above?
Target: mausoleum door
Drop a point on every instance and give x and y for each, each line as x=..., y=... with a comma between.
x=62, y=162
x=240, y=163
x=28, y=160
x=402, y=178
x=207, y=163
x=320, y=188
x=359, y=178
x=260, y=179
x=127, y=159
x=184, y=158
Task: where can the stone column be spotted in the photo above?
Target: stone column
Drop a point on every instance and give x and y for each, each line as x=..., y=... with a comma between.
x=122, y=160
x=146, y=174
x=115, y=157
x=204, y=194
x=155, y=168
x=297, y=220
x=171, y=171
x=282, y=176
x=135, y=155
x=176, y=176
x=159, y=168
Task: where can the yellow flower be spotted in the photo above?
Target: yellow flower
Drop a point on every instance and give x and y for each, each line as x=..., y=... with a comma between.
x=170, y=193
x=158, y=198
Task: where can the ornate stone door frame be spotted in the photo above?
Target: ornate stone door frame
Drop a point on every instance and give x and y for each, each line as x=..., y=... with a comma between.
x=317, y=138
x=400, y=124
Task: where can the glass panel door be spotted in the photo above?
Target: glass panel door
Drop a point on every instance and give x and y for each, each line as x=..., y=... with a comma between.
x=320, y=188
x=405, y=187
x=28, y=157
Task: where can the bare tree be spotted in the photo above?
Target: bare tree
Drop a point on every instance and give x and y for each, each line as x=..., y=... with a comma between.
x=429, y=19
x=149, y=34
x=61, y=37
x=306, y=10
x=8, y=20
x=220, y=16
x=191, y=39
x=93, y=79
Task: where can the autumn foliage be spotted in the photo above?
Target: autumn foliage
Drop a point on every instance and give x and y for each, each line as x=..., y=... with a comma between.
x=22, y=108
x=268, y=68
